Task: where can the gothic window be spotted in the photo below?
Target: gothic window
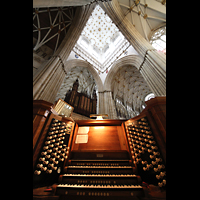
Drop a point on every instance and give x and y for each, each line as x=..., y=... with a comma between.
x=158, y=39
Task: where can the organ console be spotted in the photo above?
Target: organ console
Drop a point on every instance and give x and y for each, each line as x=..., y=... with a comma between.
x=111, y=159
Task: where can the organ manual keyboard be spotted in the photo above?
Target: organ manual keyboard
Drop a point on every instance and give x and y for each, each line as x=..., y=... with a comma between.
x=114, y=161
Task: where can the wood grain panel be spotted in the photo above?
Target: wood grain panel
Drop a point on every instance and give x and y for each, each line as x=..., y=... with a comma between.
x=101, y=138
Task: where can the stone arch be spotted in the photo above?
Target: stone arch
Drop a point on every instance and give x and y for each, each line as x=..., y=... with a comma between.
x=133, y=60
x=109, y=106
x=153, y=67
x=81, y=63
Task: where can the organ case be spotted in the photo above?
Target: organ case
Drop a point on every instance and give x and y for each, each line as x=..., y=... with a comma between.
x=82, y=103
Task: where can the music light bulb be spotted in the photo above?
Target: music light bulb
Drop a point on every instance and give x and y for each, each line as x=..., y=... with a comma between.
x=99, y=118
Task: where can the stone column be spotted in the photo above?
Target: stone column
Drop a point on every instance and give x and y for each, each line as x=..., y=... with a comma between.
x=114, y=112
x=49, y=78
x=154, y=73
x=153, y=67
x=109, y=105
x=100, y=103
x=46, y=84
x=106, y=104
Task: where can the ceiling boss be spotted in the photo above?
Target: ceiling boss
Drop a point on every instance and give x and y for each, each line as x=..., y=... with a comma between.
x=99, y=29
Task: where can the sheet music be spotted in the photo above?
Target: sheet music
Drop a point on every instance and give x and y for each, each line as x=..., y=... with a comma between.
x=82, y=135
x=83, y=130
x=81, y=139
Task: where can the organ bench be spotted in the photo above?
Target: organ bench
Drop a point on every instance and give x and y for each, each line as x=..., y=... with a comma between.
x=98, y=159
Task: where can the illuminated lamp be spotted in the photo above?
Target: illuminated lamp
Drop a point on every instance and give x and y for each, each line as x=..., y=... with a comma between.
x=99, y=116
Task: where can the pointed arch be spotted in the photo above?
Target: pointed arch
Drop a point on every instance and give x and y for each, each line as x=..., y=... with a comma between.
x=81, y=63
x=133, y=60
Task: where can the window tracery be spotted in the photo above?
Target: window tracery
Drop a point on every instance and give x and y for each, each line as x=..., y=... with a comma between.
x=158, y=39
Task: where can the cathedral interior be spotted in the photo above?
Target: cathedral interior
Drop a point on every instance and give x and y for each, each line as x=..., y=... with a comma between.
x=99, y=99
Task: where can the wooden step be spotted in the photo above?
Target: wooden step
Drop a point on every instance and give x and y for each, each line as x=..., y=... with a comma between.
x=99, y=154
x=99, y=190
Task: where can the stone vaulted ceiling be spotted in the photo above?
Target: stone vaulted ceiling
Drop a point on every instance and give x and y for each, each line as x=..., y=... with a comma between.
x=130, y=87
x=145, y=15
x=99, y=29
x=50, y=26
x=100, y=42
x=86, y=82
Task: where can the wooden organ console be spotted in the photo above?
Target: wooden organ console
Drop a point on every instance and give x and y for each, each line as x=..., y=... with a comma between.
x=99, y=159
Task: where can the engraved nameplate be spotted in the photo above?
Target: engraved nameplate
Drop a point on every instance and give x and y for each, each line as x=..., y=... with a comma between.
x=99, y=155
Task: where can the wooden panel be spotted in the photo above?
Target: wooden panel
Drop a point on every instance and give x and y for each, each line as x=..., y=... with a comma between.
x=156, y=114
x=157, y=108
x=88, y=105
x=122, y=141
x=41, y=110
x=101, y=138
x=85, y=103
x=73, y=146
x=76, y=101
x=100, y=154
x=110, y=122
x=40, y=193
